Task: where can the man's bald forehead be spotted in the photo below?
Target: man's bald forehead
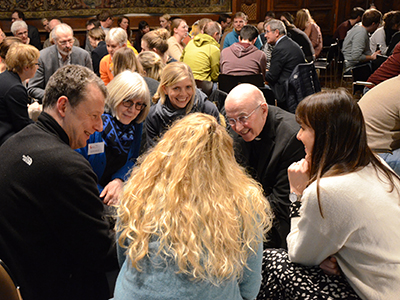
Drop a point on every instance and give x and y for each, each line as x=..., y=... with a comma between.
x=246, y=93
x=53, y=23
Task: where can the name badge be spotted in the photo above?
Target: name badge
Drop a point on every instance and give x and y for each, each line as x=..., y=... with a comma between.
x=95, y=148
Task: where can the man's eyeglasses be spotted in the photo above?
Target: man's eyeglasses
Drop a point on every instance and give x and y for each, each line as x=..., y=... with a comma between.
x=64, y=43
x=129, y=103
x=22, y=33
x=243, y=119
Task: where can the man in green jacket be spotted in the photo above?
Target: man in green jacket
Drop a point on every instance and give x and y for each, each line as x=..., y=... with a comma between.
x=202, y=53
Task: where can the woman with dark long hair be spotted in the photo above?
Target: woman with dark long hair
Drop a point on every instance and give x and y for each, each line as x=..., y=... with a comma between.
x=125, y=23
x=345, y=212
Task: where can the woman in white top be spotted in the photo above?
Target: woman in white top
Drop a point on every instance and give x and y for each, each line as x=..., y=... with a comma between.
x=179, y=30
x=349, y=218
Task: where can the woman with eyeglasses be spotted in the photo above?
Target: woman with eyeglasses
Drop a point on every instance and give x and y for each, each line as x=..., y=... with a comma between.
x=113, y=152
x=176, y=97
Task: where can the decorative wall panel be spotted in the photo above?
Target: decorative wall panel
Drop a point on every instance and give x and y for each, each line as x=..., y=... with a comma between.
x=56, y=8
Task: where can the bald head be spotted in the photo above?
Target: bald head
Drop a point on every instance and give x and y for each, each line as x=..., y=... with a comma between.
x=246, y=110
x=245, y=93
x=53, y=23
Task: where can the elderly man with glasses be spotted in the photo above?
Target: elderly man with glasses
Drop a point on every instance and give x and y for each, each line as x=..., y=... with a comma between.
x=266, y=145
x=32, y=35
x=54, y=57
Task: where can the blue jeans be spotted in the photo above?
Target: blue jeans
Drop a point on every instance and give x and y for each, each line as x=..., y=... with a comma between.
x=392, y=159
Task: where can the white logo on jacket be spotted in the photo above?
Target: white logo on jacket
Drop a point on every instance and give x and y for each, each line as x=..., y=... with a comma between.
x=27, y=159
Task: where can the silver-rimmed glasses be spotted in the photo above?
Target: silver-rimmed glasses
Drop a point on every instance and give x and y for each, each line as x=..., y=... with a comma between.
x=242, y=119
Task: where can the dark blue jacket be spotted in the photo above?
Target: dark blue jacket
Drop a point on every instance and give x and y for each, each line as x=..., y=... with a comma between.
x=99, y=161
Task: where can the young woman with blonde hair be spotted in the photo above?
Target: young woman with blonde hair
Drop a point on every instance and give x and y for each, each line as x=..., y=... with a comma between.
x=176, y=97
x=165, y=21
x=125, y=59
x=126, y=108
x=191, y=221
x=152, y=64
x=305, y=22
x=157, y=41
x=345, y=212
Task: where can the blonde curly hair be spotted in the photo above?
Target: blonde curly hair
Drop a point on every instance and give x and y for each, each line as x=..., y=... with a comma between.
x=190, y=195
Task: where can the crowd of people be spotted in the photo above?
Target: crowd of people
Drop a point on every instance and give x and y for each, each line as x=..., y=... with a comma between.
x=135, y=183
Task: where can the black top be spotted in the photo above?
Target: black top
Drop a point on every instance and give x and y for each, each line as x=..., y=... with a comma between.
x=34, y=37
x=303, y=41
x=267, y=158
x=97, y=55
x=13, y=105
x=52, y=233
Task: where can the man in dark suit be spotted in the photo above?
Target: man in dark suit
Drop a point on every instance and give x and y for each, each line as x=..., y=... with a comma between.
x=284, y=58
x=53, y=235
x=33, y=33
x=266, y=145
x=56, y=56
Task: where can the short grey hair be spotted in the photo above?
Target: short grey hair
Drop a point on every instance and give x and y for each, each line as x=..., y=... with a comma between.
x=17, y=25
x=212, y=27
x=277, y=25
x=117, y=34
x=60, y=28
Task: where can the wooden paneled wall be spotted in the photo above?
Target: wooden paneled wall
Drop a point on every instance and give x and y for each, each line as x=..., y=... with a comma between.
x=79, y=24
x=327, y=13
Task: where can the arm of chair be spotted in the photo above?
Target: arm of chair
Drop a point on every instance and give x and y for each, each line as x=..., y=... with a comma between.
x=364, y=83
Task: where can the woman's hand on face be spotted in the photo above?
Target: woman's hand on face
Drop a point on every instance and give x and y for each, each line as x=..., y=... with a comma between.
x=299, y=174
x=330, y=266
x=112, y=192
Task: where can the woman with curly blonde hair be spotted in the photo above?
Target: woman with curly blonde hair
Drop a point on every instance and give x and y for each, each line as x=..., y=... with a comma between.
x=191, y=222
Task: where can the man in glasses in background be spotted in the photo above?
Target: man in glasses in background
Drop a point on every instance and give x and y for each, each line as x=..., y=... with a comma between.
x=20, y=30
x=266, y=145
x=285, y=56
x=52, y=58
x=32, y=32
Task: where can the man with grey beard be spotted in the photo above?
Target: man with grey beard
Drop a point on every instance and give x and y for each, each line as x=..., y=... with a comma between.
x=52, y=58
